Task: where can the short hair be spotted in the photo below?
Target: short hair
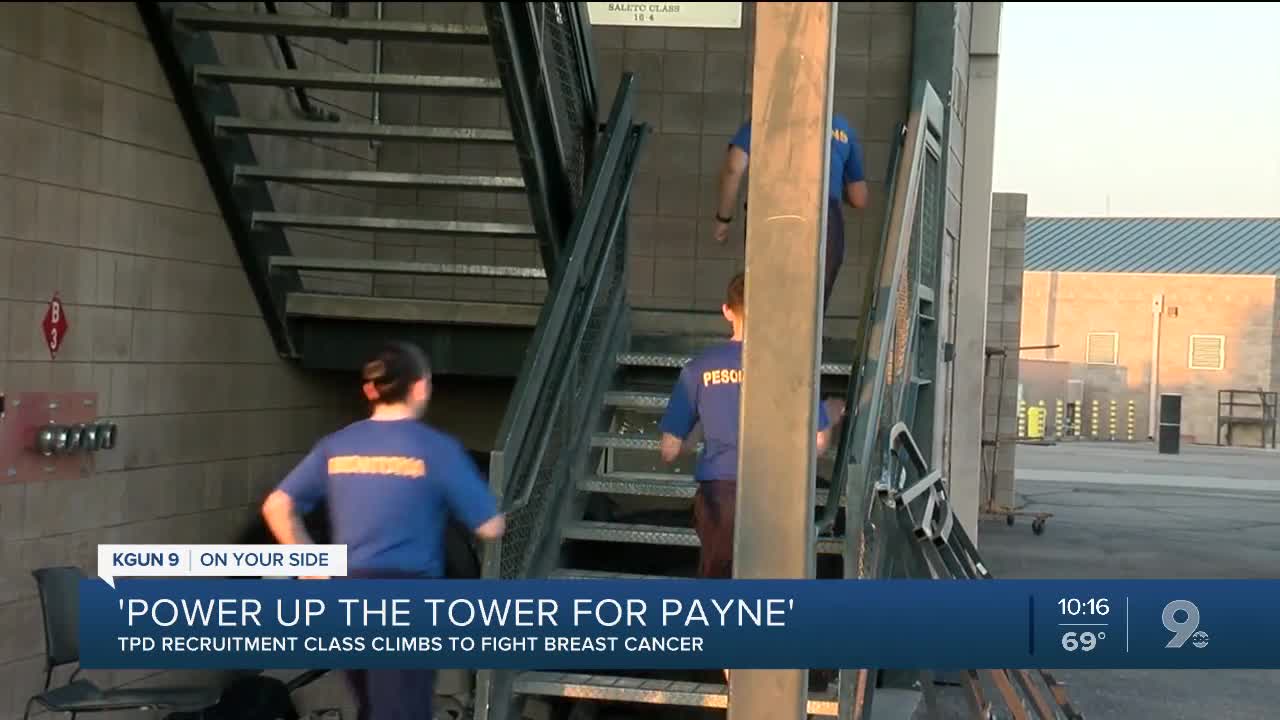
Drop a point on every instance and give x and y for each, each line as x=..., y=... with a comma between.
x=736, y=294
x=390, y=375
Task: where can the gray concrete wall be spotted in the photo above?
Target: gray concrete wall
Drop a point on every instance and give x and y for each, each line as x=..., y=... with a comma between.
x=451, y=158
x=262, y=103
x=1004, y=318
x=694, y=88
x=102, y=200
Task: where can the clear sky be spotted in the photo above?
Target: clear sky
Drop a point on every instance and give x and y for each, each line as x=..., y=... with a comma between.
x=1168, y=109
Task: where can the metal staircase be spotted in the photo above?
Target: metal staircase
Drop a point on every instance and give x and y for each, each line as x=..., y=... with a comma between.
x=588, y=498
x=325, y=308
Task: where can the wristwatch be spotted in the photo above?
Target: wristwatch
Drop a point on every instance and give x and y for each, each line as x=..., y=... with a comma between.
x=725, y=220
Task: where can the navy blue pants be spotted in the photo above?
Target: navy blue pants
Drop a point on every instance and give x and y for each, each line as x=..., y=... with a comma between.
x=391, y=694
x=835, y=251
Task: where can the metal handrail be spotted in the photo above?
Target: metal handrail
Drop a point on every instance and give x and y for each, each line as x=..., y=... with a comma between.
x=522, y=442
x=291, y=62
x=867, y=391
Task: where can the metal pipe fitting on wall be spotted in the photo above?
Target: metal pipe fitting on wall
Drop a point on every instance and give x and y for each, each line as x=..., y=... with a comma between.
x=81, y=437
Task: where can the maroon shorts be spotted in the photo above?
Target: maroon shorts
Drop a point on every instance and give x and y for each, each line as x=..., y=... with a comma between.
x=714, y=506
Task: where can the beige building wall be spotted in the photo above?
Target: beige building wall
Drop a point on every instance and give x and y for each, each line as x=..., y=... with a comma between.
x=1064, y=308
x=103, y=201
x=1004, y=318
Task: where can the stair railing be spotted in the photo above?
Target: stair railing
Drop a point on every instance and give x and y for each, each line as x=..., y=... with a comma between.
x=286, y=53
x=882, y=371
x=547, y=68
x=545, y=435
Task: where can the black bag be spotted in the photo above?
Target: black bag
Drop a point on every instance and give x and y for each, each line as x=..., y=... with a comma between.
x=249, y=698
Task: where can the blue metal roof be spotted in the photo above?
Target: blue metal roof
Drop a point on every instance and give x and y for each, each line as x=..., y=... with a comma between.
x=1211, y=246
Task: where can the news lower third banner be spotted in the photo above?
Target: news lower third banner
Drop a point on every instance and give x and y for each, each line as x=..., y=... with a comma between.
x=670, y=624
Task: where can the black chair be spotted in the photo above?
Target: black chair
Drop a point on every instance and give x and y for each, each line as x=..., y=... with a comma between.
x=60, y=604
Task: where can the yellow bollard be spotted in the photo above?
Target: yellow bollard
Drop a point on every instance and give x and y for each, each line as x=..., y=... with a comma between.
x=1022, y=419
x=1035, y=422
x=1077, y=421
x=1111, y=419
x=1093, y=420
x=1132, y=421
x=1059, y=418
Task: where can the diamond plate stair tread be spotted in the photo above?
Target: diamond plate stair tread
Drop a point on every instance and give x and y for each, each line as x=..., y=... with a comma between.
x=404, y=267
x=677, y=360
x=655, y=485
x=384, y=82
x=636, y=400
x=660, y=535
x=393, y=225
x=381, y=179
x=574, y=574
x=329, y=27
x=650, y=691
x=651, y=442
x=361, y=131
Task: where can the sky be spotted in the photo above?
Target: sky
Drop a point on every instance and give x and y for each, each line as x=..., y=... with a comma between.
x=1162, y=109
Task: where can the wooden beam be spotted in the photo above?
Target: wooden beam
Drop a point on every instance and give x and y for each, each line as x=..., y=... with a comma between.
x=786, y=243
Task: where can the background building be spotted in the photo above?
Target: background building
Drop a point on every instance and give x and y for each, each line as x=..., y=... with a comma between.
x=1139, y=306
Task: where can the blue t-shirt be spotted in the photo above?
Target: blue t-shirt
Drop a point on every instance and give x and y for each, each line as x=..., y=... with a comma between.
x=846, y=155
x=710, y=389
x=390, y=487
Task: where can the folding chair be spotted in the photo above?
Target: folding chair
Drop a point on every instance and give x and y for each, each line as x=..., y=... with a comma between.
x=60, y=604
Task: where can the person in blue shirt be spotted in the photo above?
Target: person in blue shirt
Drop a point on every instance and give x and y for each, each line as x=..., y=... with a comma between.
x=390, y=483
x=709, y=391
x=847, y=183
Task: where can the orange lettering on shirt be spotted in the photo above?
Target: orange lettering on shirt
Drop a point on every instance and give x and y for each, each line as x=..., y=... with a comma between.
x=409, y=467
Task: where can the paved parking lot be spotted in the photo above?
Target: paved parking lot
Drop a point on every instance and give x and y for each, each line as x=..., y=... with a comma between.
x=1122, y=511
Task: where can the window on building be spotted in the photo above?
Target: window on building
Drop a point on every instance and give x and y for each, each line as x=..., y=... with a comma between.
x=1102, y=348
x=1205, y=352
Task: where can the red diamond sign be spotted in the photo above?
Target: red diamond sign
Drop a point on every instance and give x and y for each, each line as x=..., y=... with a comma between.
x=54, y=325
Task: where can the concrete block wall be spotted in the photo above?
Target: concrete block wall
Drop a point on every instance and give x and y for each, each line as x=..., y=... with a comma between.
x=313, y=55
x=695, y=90
x=451, y=158
x=1004, y=319
x=103, y=201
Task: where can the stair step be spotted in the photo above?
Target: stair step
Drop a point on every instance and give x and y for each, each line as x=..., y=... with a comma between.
x=403, y=267
x=636, y=441
x=661, y=535
x=321, y=26
x=378, y=179
x=393, y=225
x=382, y=82
x=667, y=485
x=636, y=400
x=625, y=442
x=676, y=360
x=650, y=691
x=572, y=574
x=360, y=131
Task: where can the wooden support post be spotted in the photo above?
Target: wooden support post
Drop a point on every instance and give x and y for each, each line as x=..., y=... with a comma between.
x=786, y=242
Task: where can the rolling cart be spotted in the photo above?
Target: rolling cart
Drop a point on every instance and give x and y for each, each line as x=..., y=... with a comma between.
x=990, y=508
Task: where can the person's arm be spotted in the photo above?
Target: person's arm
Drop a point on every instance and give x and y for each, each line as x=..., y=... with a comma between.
x=830, y=413
x=297, y=494
x=468, y=496
x=302, y=489
x=731, y=173
x=678, y=421
x=855, y=181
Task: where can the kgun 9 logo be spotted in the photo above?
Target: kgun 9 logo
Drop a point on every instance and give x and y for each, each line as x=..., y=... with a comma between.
x=1186, y=628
